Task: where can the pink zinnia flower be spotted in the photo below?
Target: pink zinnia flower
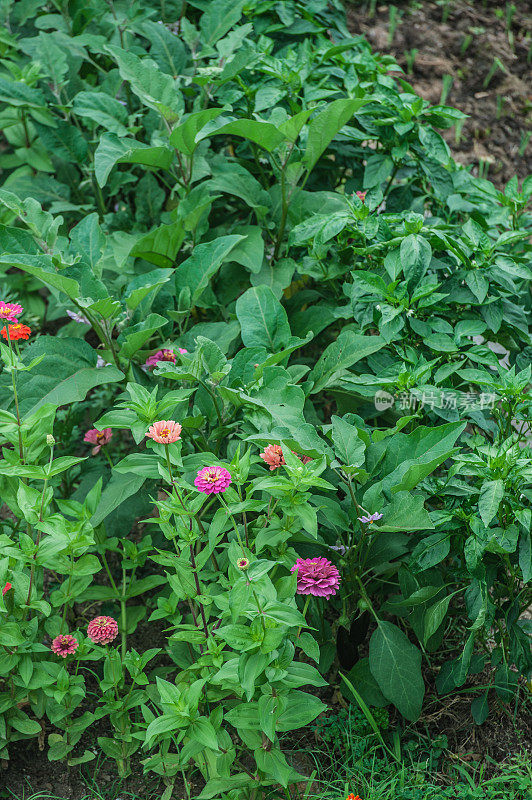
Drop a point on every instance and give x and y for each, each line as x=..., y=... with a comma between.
x=182, y=350
x=212, y=480
x=166, y=431
x=102, y=630
x=316, y=576
x=10, y=312
x=160, y=355
x=273, y=456
x=6, y=588
x=361, y=195
x=99, y=438
x=64, y=645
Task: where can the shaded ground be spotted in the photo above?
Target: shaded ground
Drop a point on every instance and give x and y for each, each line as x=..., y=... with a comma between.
x=482, y=52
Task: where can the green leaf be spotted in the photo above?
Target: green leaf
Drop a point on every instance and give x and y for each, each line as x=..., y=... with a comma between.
x=218, y=18
x=434, y=617
x=111, y=150
x=161, y=245
x=349, y=348
x=301, y=708
x=349, y=447
x=183, y=138
x=203, y=732
x=415, y=254
x=264, y=134
x=117, y=491
x=156, y=89
x=263, y=320
x=406, y=512
x=166, y=48
x=204, y=262
x=102, y=109
x=490, y=498
x=326, y=124
x=66, y=373
x=396, y=666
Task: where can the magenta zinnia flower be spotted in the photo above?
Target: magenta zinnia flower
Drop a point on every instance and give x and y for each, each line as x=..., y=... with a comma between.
x=166, y=431
x=361, y=195
x=102, y=630
x=316, y=576
x=64, y=645
x=212, y=480
x=99, y=438
x=182, y=350
x=160, y=355
x=10, y=312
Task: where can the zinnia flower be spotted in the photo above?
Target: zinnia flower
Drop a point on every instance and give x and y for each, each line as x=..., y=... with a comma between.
x=64, y=645
x=242, y=563
x=17, y=331
x=316, y=576
x=182, y=350
x=352, y=796
x=102, y=630
x=160, y=355
x=361, y=195
x=371, y=519
x=166, y=431
x=99, y=438
x=273, y=456
x=212, y=480
x=10, y=312
x=6, y=588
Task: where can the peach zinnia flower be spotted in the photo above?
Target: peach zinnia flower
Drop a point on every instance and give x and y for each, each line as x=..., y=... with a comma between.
x=166, y=431
x=64, y=645
x=273, y=456
x=17, y=331
x=102, y=630
x=99, y=438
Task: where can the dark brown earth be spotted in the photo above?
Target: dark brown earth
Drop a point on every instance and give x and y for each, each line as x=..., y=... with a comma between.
x=496, y=139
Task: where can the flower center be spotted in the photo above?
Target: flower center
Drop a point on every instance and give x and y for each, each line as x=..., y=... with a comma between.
x=165, y=433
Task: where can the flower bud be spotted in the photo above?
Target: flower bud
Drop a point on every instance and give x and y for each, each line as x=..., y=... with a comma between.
x=50, y=440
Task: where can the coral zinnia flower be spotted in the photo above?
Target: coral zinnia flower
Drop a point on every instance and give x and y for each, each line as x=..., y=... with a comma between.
x=64, y=645
x=17, y=331
x=160, y=355
x=316, y=576
x=6, y=588
x=166, y=431
x=273, y=456
x=212, y=480
x=102, y=630
x=99, y=438
x=371, y=519
x=10, y=312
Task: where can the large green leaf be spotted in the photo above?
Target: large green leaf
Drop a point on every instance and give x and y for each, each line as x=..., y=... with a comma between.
x=326, y=124
x=111, y=150
x=395, y=664
x=184, y=136
x=348, y=446
x=65, y=375
x=349, y=348
x=204, y=262
x=262, y=318
x=155, y=88
x=490, y=498
x=102, y=109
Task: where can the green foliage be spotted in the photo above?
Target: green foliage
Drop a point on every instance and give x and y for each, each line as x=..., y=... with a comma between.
x=248, y=189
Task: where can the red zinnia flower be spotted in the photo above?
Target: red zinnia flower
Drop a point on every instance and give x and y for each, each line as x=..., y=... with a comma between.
x=6, y=588
x=102, y=630
x=17, y=331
